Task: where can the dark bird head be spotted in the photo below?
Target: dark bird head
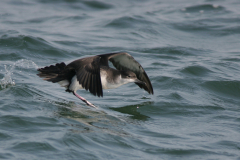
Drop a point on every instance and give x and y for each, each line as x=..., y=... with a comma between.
x=129, y=76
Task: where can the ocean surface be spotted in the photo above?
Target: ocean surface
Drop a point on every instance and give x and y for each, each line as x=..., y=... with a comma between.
x=189, y=49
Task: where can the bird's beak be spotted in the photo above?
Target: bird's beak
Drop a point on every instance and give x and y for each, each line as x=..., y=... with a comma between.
x=139, y=82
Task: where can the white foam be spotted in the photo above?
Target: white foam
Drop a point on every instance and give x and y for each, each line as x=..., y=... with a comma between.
x=9, y=69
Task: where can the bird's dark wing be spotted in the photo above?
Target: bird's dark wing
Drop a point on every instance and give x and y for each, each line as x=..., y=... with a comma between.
x=124, y=61
x=88, y=74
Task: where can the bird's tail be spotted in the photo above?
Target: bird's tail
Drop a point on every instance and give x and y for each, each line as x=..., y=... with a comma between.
x=52, y=73
x=57, y=73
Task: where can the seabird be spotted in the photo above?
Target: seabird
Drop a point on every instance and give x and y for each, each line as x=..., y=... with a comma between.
x=94, y=74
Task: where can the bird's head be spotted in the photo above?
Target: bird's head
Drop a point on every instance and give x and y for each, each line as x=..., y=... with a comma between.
x=129, y=76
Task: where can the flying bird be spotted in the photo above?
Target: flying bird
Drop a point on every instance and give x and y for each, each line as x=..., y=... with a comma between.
x=94, y=74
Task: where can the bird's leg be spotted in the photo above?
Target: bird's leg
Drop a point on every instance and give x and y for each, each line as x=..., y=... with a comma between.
x=84, y=100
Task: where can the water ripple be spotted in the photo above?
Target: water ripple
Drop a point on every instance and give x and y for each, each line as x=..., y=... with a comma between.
x=224, y=88
x=128, y=22
x=196, y=70
x=190, y=51
x=204, y=7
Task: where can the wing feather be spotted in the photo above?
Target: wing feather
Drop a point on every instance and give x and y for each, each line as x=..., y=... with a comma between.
x=124, y=61
x=87, y=69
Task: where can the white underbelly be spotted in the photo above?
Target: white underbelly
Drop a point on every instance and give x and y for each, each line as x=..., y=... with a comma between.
x=105, y=84
x=75, y=84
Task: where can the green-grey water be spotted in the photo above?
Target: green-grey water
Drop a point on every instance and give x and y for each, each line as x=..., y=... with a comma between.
x=189, y=49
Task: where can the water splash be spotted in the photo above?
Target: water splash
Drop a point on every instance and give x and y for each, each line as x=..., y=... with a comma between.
x=7, y=80
x=24, y=63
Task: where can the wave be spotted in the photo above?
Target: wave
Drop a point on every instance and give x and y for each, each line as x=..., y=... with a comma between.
x=128, y=21
x=204, y=7
x=228, y=89
x=196, y=70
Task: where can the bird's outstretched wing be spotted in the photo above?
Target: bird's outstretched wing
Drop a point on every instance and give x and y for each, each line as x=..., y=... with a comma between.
x=88, y=74
x=124, y=61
